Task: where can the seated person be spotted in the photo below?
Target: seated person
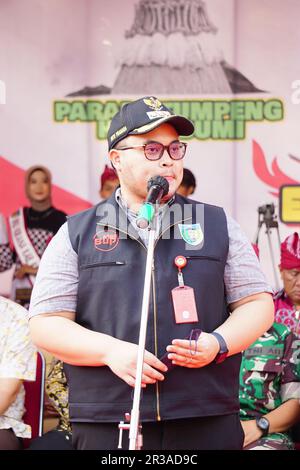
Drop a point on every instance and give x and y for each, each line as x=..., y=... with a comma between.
x=17, y=363
x=59, y=438
x=287, y=300
x=188, y=184
x=270, y=390
x=109, y=181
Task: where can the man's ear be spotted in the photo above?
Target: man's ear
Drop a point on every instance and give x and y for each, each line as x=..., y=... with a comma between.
x=114, y=157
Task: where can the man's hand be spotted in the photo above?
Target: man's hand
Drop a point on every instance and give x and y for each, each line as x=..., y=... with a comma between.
x=252, y=432
x=122, y=360
x=25, y=269
x=189, y=354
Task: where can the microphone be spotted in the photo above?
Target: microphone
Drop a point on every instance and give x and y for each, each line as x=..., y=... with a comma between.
x=157, y=187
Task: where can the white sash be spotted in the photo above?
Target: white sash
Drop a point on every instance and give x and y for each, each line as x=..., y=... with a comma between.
x=23, y=246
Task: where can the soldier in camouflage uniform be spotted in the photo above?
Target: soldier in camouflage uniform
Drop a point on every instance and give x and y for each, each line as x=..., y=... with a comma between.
x=270, y=387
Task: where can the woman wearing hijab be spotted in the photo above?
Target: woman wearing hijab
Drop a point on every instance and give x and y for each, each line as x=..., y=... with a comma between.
x=31, y=230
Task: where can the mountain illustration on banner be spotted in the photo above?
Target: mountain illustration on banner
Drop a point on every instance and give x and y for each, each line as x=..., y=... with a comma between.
x=172, y=48
x=12, y=195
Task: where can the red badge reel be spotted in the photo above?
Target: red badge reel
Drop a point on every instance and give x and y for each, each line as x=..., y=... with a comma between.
x=183, y=297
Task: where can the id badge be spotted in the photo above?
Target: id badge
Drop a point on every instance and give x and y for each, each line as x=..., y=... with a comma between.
x=184, y=305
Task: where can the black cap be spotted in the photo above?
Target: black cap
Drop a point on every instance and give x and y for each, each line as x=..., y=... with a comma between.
x=143, y=115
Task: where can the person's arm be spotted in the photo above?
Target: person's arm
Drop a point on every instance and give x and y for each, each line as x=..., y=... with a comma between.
x=53, y=326
x=251, y=317
x=9, y=389
x=280, y=419
x=58, y=334
x=18, y=355
x=247, y=293
x=61, y=336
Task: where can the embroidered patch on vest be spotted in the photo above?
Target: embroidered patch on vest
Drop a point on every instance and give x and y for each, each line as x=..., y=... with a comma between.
x=191, y=233
x=106, y=240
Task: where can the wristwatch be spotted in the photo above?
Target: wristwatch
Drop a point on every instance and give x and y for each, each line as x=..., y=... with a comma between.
x=223, y=351
x=263, y=424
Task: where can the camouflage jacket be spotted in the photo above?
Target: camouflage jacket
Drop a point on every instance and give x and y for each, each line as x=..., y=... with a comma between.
x=269, y=373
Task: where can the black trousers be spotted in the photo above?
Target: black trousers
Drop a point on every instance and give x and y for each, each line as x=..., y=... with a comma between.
x=208, y=433
x=52, y=440
x=9, y=441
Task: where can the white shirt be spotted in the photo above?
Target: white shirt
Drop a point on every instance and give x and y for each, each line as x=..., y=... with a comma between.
x=17, y=360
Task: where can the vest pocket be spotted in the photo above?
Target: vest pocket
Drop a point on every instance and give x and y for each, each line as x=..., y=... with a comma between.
x=105, y=263
x=210, y=258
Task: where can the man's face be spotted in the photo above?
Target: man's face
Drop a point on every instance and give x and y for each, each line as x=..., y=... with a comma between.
x=291, y=284
x=134, y=170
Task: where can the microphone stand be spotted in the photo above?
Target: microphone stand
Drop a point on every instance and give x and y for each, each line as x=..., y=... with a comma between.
x=135, y=428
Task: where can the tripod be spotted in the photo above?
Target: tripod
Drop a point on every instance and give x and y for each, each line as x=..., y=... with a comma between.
x=267, y=217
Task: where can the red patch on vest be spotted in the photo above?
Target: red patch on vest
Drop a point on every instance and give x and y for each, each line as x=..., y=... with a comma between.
x=106, y=240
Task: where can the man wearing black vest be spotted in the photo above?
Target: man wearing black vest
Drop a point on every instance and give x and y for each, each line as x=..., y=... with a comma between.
x=87, y=299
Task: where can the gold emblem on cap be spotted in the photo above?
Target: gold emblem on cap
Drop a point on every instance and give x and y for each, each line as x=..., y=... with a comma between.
x=153, y=103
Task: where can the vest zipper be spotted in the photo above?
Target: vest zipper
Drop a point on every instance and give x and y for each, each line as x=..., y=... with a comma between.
x=210, y=258
x=106, y=263
x=158, y=417
x=155, y=340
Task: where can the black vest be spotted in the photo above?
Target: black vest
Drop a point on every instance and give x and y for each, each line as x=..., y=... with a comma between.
x=111, y=265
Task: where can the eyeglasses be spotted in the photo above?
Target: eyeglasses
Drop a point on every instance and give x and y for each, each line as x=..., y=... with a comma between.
x=155, y=150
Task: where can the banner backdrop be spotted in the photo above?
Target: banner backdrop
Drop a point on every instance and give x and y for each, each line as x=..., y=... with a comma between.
x=230, y=66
